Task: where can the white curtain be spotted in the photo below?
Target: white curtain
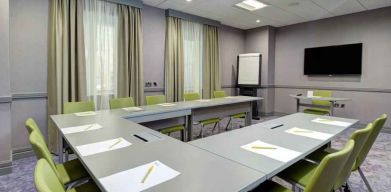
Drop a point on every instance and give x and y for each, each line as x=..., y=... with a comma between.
x=193, y=56
x=101, y=44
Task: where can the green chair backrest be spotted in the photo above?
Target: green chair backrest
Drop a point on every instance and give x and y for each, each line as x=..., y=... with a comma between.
x=45, y=178
x=75, y=107
x=377, y=126
x=191, y=96
x=322, y=93
x=325, y=176
x=121, y=103
x=31, y=126
x=155, y=99
x=219, y=94
x=360, y=137
x=41, y=150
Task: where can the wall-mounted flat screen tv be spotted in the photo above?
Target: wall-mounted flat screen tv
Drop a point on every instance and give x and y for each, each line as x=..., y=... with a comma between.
x=333, y=60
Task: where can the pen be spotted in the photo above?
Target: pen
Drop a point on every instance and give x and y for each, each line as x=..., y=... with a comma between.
x=119, y=140
x=262, y=147
x=147, y=174
x=89, y=127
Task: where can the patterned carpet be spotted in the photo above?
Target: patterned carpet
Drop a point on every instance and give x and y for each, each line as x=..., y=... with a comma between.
x=377, y=166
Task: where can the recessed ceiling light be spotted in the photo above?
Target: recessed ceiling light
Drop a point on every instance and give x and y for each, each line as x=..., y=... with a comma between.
x=258, y=21
x=188, y=0
x=251, y=5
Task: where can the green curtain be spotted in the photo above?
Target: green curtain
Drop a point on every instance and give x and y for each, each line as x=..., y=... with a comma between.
x=211, y=69
x=66, y=62
x=130, y=66
x=173, y=65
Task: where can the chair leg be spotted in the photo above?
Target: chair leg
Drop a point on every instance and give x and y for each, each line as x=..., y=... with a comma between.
x=182, y=135
x=214, y=127
x=365, y=180
x=229, y=122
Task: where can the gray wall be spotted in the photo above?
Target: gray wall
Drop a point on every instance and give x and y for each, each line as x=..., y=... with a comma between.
x=28, y=58
x=372, y=28
x=154, y=27
x=262, y=40
x=5, y=92
x=232, y=43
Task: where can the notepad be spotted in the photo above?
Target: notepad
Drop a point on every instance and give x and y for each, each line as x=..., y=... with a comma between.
x=331, y=122
x=87, y=113
x=132, y=109
x=204, y=100
x=167, y=104
x=309, y=133
x=100, y=147
x=272, y=151
x=82, y=128
x=230, y=97
x=131, y=180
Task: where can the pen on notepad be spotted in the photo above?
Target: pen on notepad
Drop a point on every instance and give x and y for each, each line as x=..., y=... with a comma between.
x=147, y=174
x=262, y=147
x=119, y=140
x=89, y=127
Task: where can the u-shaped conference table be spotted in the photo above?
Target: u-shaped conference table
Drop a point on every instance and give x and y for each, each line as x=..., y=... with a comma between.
x=214, y=163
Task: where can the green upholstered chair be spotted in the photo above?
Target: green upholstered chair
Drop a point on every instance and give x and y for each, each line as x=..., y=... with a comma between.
x=158, y=99
x=46, y=180
x=76, y=107
x=320, y=111
x=360, y=137
x=320, y=179
x=378, y=124
x=203, y=123
x=155, y=99
x=121, y=103
x=67, y=172
x=221, y=94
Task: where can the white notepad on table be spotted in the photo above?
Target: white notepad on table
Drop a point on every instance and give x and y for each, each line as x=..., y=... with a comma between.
x=132, y=109
x=331, y=122
x=103, y=146
x=87, y=113
x=230, y=97
x=81, y=128
x=167, y=104
x=132, y=179
x=309, y=133
x=272, y=151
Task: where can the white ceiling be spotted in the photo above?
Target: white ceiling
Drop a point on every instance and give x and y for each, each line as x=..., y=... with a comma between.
x=278, y=13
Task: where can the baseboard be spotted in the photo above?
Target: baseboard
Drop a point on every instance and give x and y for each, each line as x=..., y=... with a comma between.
x=22, y=153
x=5, y=167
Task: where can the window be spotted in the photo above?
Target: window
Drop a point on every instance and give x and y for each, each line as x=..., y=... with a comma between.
x=193, y=56
x=100, y=24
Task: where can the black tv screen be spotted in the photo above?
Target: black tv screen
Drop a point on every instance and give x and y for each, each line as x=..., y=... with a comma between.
x=333, y=60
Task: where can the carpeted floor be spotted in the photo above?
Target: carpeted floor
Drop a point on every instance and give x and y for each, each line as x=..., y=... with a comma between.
x=377, y=166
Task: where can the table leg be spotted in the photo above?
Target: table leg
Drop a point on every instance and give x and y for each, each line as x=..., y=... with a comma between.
x=332, y=108
x=297, y=105
x=190, y=127
x=60, y=149
x=249, y=115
